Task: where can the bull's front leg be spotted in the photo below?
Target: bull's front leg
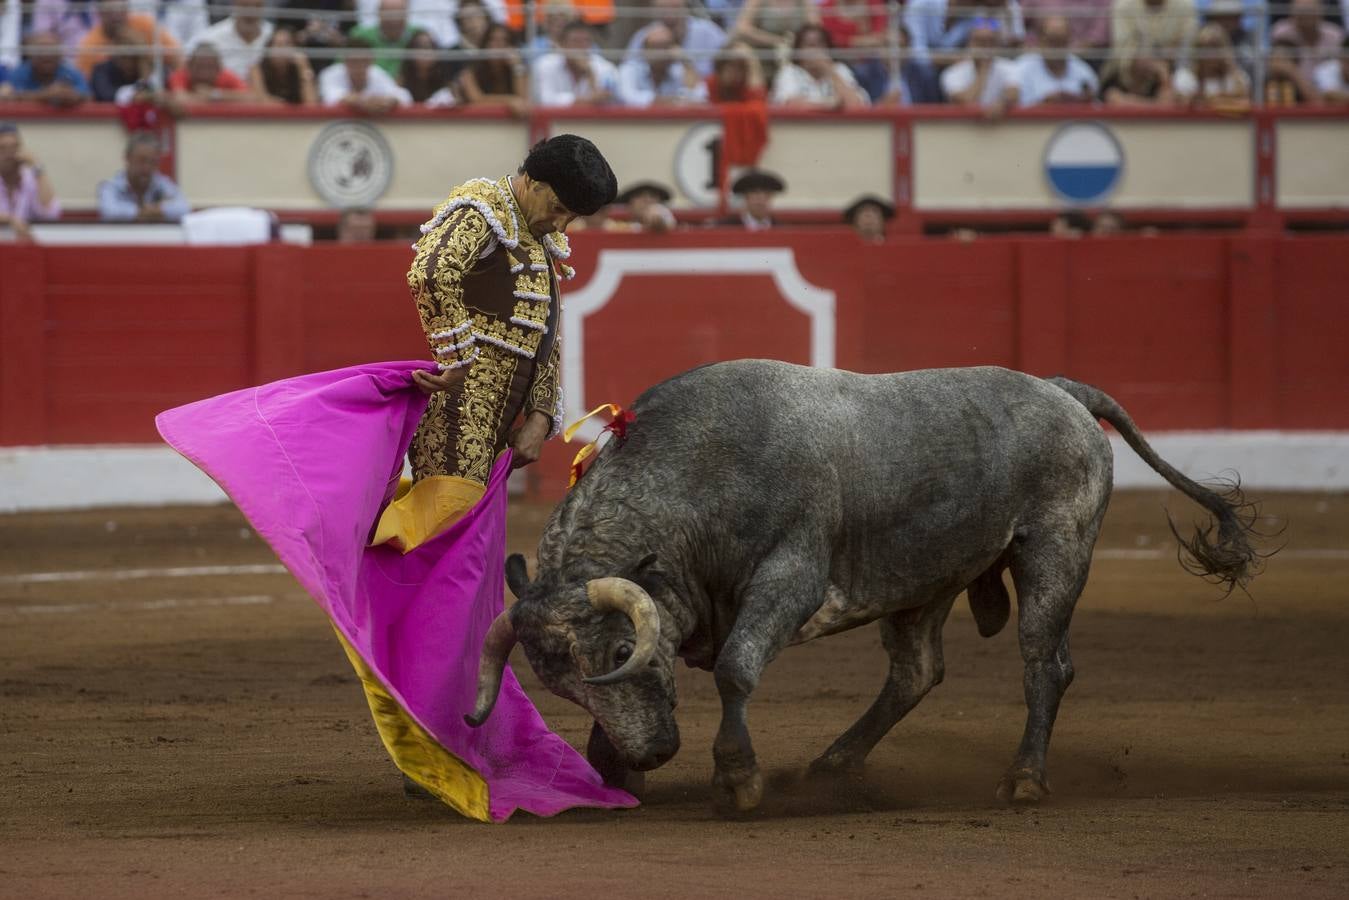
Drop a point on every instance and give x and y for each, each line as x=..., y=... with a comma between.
x=770, y=615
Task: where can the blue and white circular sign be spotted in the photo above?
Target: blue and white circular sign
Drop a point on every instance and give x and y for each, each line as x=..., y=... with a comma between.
x=1083, y=163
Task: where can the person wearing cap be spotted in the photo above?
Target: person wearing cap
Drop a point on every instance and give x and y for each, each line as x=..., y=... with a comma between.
x=647, y=211
x=485, y=282
x=756, y=188
x=867, y=215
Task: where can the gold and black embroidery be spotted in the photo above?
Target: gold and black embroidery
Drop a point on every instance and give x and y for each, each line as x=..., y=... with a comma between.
x=487, y=297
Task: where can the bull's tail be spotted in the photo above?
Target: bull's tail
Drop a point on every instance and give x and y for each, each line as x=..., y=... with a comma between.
x=1228, y=557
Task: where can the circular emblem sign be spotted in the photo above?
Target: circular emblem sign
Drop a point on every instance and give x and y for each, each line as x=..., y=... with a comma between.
x=695, y=165
x=350, y=164
x=1083, y=162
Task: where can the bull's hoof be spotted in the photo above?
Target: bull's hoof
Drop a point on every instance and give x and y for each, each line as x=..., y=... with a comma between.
x=739, y=794
x=628, y=780
x=835, y=765
x=1023, y=787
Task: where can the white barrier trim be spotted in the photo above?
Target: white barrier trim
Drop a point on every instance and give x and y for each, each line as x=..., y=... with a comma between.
x=51, y=478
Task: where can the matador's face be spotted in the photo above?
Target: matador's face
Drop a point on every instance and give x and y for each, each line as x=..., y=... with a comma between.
x=543, y=212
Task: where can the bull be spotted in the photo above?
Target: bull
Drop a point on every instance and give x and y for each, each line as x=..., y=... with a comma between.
x=755, y=505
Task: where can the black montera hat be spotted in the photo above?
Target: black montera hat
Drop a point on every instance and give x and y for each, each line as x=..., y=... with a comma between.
x=758, y=180
x=576, y=171
x=663, y=194
x=886, y=208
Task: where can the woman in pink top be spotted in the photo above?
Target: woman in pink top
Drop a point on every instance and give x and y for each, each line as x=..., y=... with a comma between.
x=26, y=193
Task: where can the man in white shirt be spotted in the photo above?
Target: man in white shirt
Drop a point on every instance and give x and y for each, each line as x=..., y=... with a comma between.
x=982, y=78
x=700, y=38
x=1332, y=77
x=657, y=76
x=240, y=39
x=576, y=73
x=360, y=84
x=1053, y=75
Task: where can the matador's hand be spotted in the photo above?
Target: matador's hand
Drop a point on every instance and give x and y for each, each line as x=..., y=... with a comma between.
x=430, y=383
x=527, y=441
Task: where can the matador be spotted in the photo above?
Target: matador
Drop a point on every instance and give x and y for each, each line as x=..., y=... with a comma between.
x=485, y=281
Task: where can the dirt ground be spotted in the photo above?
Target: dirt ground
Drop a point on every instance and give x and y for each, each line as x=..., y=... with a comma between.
x=203, y=736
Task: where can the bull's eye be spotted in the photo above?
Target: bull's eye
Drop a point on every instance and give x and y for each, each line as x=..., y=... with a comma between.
x=622, y=654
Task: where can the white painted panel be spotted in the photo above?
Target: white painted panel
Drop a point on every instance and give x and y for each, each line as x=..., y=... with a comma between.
x=977, y=165
x=1312, y=165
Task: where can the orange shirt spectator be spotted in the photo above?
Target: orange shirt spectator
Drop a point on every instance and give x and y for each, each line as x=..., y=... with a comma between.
x=592, y=12
x=113, y=22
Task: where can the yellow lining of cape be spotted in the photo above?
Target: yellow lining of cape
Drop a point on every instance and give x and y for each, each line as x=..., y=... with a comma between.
x=423, y=510
x=416, y=753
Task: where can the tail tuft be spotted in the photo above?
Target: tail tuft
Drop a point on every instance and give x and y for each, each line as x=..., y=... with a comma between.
x=1228, y=557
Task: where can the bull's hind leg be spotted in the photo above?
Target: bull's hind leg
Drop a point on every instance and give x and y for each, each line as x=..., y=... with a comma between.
x=1049, y=573
x=912, y=637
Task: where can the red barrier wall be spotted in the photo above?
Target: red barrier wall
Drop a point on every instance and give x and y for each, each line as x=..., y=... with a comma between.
x=1188, y=333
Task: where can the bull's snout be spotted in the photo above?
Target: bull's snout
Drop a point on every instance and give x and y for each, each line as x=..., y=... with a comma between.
x=657, y=754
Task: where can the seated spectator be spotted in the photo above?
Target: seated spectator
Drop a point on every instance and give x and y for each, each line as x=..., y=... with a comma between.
x=1285, y=83
x=115, y=24
x=1053, y=75
x=1307, y=29
x=392, y=33
x=1332, y=78
x=1143, y=82
x=1214, y=78
x=1153, y=29
x=662, y=75
x=501, y=79
x=701, y=38
x=239, y=39
x=962, y=20
x=771, y=25
x=69, y=20
x=1229, y=15
x=576, y=73
x=206, y=80
x=129, y=64
x=283, y=75
x=5, y=89
x=736, y=76
x=860, y=25
x=356, y=82
x=140, y=192
x=470, y=21
x=1072, y=224
x=426, y=78
x=26, y=193
x=356, y=225
x=813, y=79
x=1088, y=23
x=756, y=188
x=916, y=81
x=981, y=77
x=867, y=215
x=554, y=16
x=647, y=211
x=321, y=27
x=46, y=77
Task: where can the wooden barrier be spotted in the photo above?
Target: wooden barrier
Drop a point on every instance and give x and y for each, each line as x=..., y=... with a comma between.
x=1188, y=333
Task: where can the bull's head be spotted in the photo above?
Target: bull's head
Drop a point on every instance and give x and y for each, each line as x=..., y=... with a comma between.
x=597, y=643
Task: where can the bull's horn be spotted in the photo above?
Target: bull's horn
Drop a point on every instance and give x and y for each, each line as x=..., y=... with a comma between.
x=622, y=595
x=496, y=647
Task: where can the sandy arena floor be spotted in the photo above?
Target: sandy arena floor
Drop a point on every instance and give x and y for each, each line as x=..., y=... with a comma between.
x=203, y=736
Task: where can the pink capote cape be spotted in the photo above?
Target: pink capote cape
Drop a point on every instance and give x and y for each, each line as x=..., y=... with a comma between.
x=311, y=461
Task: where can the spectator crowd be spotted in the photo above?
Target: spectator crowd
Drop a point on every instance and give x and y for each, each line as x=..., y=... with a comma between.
x=375, y=56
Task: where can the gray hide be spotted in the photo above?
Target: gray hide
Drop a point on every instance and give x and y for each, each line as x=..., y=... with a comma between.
x=784, y=503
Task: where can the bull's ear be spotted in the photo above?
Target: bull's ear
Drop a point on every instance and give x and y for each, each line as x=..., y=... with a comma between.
x=643, y=573
x=517, y=574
